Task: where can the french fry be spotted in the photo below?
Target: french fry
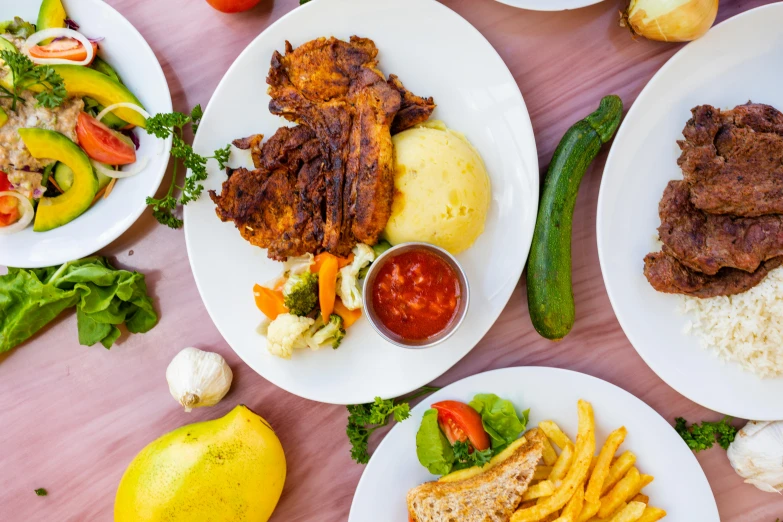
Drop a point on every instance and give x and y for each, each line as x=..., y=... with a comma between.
x=651, y=514
x=527, y=504
x=618, y=470
x=560, y=468
x=621, y=492
x=585, y=449
x=592, y=465
x=464, y=474
x=555, y=434
x=601, y=471
x=644, y=499
x=644, y=481
x=542, y=472
x=573, y=508
x=589, y=510
x=549, y=455
x=630, y=513
x=542, y=489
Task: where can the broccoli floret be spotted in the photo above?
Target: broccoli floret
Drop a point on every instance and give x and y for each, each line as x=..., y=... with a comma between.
x=331, y=333
x=300, y=293
x=381, y=247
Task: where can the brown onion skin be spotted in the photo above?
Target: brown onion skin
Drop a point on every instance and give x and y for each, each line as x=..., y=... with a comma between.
x=677, y=25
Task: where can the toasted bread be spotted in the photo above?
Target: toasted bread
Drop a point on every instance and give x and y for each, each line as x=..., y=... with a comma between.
x=491, y=496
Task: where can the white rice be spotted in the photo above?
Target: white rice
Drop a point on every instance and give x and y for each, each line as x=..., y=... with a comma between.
x=745, y=328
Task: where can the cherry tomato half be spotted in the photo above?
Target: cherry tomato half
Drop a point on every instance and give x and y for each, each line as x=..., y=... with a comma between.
x=65, y=49
x=461, y=422
x=9, y=205
x=103, y=144
x=232, y=6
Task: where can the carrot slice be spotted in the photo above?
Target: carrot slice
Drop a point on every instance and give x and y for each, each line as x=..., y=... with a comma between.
x=269, y=301
x=349, y=316
x=327, y=285
x=319, y=260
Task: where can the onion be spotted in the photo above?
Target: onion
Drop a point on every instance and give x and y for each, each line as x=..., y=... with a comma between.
x=670, y=20
x=122, y=105
x=57, y=32
x=137, y=167
x=27, y=214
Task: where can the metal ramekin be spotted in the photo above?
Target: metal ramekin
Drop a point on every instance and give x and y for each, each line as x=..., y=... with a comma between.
x=459, y=316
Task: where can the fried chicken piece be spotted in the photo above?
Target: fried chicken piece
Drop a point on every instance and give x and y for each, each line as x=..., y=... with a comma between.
x=666, y=274
x=733, y=160
x=708, y=242
x=413, y=109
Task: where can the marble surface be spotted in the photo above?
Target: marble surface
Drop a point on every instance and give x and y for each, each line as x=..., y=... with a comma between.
x=72, y=418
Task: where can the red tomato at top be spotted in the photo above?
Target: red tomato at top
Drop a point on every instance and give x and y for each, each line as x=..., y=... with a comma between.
x=103, y=144
x=233, y=6
x=458, y=421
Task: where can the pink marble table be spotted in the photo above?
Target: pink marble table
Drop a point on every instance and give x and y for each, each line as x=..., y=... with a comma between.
x=73, y=417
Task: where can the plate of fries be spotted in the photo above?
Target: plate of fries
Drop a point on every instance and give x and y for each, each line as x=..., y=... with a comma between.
x=608, y=457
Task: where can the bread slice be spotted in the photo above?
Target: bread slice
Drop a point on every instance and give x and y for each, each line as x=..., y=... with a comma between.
x=491, y=496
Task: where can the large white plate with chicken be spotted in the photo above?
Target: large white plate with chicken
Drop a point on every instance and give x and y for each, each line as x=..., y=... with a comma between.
x=438, y=54
x=715, y=77
x=680, y=486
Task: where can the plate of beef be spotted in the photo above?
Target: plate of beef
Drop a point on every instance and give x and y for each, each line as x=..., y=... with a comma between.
x=690, y=219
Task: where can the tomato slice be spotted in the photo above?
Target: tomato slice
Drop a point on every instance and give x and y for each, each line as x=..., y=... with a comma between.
x=9, y=205
x=460, y=422
x=103, y=144
x=4, y=183
x=65, y=49
x=11, y=217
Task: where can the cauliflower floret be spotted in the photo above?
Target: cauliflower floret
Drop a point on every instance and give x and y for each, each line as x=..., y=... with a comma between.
x=330, y=334
x=287, y=333
x=298, y=265
x=348, y=284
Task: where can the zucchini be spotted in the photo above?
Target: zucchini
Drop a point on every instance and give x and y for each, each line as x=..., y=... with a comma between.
x=550, y=295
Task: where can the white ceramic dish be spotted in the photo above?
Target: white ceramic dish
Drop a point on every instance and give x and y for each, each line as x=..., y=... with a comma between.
x=481, y=100
x=127, y=51
x=549, y=5
x=737, y=61
x=680, y=486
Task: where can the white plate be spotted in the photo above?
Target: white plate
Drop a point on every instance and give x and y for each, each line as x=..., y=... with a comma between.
x=680, y=486
x=739, y=60
x=482, y=100
x=127, y=51
x=549, y=5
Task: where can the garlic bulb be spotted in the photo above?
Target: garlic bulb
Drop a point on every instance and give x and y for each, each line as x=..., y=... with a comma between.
x=757, y=455
x=670, y=20
x=197, y=378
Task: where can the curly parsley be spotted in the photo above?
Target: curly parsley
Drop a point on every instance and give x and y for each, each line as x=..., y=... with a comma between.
x=364, y=419
x=467, y=458
x=41, y=492
x=26, y=75
x=172, y=124
x=702, y=436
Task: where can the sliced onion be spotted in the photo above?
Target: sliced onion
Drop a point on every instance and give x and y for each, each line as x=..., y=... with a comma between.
x=134, y=169
x=27, y=214
x=57, y=32
x=123, y=105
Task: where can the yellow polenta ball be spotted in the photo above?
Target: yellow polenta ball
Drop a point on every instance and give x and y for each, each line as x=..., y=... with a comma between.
x=441, y=189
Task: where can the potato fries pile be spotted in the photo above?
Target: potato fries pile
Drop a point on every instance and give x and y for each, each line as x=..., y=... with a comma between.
x=577, y=486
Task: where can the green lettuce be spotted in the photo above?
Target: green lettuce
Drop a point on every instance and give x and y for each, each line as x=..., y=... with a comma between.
x=104, y=297
x=500, y=419
x=432, y=447
x=17, y=27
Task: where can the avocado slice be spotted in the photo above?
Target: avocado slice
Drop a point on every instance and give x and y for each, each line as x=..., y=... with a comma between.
x=3, y=117
x=50, y=15
x=101, y=66
x=82, y=81
x=57, y=211
x=7, y=80
x=63, y=175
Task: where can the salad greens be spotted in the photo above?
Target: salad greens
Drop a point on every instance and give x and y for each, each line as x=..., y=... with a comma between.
x=17, y=27
x=702, y=436
x=500, y=421
x=27, y=75
x=104, y=297
x=173, y=124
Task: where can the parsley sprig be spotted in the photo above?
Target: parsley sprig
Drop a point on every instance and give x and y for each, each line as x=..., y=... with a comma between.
x=467, y=458
x=364, y=419
x=702, y=436
x=172, y=124
x=26, y=75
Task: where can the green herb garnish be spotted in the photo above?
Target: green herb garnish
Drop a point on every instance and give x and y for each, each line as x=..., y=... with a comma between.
x=26, y=75
x=467, y=458
x=364, y=419
x=702, y=436
x=172, y=124
x=41, y=492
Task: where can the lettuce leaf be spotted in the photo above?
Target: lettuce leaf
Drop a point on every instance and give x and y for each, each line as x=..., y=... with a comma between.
x=104, y=298
x=432, y=447
x=17, y=27
x=500, y=419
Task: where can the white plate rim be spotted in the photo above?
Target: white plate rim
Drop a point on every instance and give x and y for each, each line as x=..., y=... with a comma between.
x=368, y=396
x=553, y=5
x=705, y=400
x=518, y=374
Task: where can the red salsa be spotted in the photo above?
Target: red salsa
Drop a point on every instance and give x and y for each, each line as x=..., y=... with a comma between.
x=416, y=294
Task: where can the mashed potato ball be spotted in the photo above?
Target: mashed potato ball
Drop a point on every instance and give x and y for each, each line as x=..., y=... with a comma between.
x=441, y=189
